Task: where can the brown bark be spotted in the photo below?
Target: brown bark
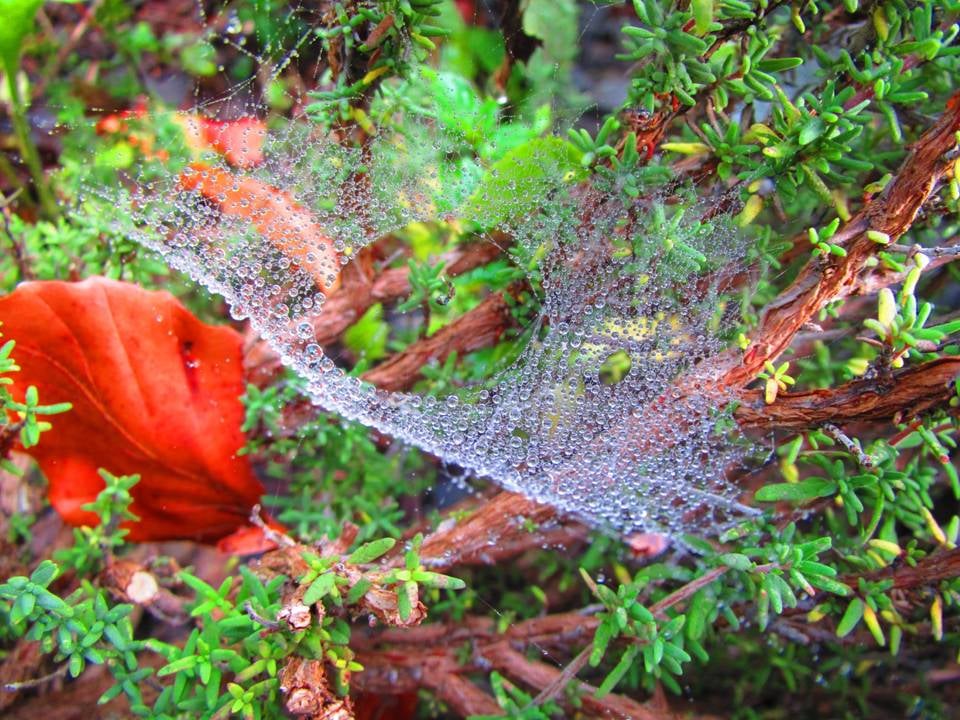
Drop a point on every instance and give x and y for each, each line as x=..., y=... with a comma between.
x=348, y=304
x=906, y=394
x=929, y=571
x=503, y=520
x=461, y=695
x=476, y=329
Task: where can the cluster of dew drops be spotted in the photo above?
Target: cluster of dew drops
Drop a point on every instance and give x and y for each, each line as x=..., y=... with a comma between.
x=589, y=417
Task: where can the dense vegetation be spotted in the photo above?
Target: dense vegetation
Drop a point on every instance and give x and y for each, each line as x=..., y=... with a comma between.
x=819, y=141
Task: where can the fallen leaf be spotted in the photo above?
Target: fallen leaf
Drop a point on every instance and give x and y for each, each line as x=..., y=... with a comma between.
x=239, y=141
x=275, y=214
x=155, y=392
x=249, y=540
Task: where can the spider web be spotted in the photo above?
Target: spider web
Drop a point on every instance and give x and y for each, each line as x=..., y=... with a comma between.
x=597, y=408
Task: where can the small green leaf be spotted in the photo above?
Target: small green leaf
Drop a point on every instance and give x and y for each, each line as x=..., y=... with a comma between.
x=44, y=573
x=185, y=663
x=404, y=605
x=626, y=661
x=737, y=561
x=697, y=612
x=606, y=631
x=779, y=64
x=702, y=15
x=358, y=591
x=810, y=567
x=808, y=489
x=432, y=579
x=319, y=588
x=851, y=617
x=829, y=585
x=48, y=601
x=370, y=551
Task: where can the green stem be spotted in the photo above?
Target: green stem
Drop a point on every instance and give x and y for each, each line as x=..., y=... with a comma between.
x=28, y=149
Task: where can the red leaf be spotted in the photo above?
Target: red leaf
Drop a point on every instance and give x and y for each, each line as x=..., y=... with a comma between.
x=155, y=391
x=239, y=141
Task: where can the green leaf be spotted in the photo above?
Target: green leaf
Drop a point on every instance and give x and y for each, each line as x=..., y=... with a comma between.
x=947, y=328
x=367, y=337
x=554, y=22
x=677, y=653
x=812, y=548
x=737, y=561
x=829, y=584
x=17, y=23
x=358, y=591
x=48, y=601
x=319, y=588
x=773, y=590
x=697, y=611
x=521, y=180
x=808, y=489
x=199, y=59
x=185, y=663
x=811, y=131
x=779, y=64
x=606, y=631
x=851, y=617
x=702, y=15
x=626, y=661
x=810, y=567
x=404, y=606
x=44, y=573
x=432, y=579
x=201, y=588
x=370, y=551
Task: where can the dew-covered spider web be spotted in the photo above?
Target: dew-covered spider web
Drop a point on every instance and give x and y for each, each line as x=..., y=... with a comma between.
x=595, y=402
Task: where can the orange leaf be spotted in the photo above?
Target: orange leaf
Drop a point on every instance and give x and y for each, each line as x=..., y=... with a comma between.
x=274, y=213
x=155, y=392
x=239, y=141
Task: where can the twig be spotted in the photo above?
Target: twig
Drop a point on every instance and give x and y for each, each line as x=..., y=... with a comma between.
x=911, y=392
x=28, y=149
x=852, y=447
x=37, y=682
x=682, y=593
x=539, y=675
x=939, y=251
x=564, y=678
x=7, y=169
x=478, y=328
x=260, y=619
x=269, y=533
x=52, y=70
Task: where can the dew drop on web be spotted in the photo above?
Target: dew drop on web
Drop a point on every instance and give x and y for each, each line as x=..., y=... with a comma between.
x=599, y=411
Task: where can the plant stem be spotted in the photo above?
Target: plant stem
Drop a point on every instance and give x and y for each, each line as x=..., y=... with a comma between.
x=27, y=147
